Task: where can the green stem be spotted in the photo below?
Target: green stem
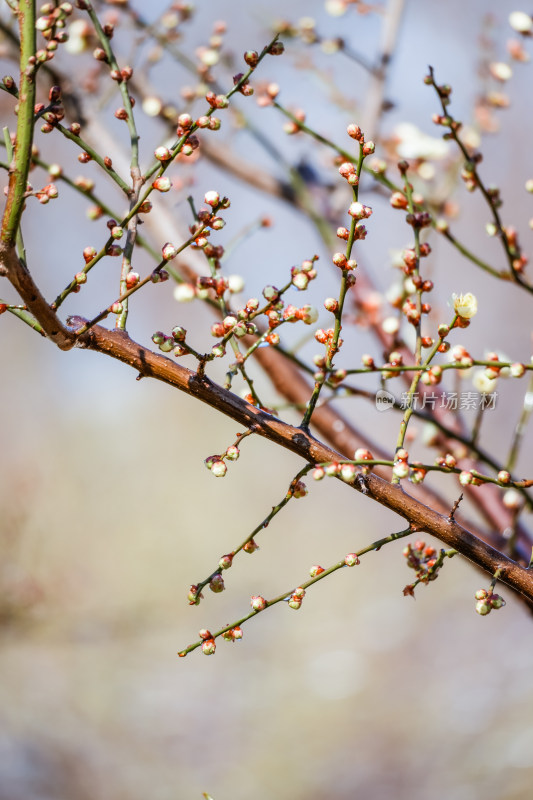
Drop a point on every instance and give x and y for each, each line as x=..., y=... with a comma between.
x=131, y=291
x=520, y=429
x=510, y=252
x=24, y=315
x=265, y=523
x=85, y=146
x=377, y=545
x=123, y=86
x=18, y=178
x=414, y=383
x=333, y=347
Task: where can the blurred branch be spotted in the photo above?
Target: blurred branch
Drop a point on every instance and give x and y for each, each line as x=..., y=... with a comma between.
x=375, y=95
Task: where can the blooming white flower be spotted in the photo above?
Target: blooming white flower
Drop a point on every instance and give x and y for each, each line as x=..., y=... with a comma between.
x=465, y=305
x=521, y=22
x=336, y=8
x=235, y=283
x=151, y=105
x=482, y=382
x=184, y=292
x=391, y=325
x=413, y=143
x=513, y=499
x=500, y=71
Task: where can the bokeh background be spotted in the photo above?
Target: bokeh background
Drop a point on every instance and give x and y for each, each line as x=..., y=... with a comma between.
x=108, y=513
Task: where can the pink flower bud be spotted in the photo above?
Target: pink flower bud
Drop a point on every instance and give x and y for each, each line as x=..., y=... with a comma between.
x=162, y=184
x=226, y=561
x=132, y=279
x=465, y=478
x=315, y=570
x=332, y=470
x=348, y=472
x=300, y=490
x=162, y=153
x=209, y=647
x=496, y=601
x=354, y=131
x=219, y=469
x=258, y=603
x=300, y=280
x=517, y=370
x=212, y=198
x=400, y=470
x=270, y=293
x=504, y=476
x=169, y=251
x=216, y=584
x=351, y=560
x=398, y=200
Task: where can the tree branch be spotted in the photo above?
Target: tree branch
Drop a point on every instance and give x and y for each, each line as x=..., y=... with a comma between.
x=118, y=344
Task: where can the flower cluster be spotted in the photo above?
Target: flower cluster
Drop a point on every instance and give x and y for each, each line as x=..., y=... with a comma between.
x=423, y=560
x=487, y=600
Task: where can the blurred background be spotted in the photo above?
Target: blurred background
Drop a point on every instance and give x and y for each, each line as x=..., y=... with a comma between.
x=108, y=514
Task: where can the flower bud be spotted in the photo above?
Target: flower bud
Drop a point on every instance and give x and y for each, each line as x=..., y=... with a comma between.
x=348, y=472
x=496, y=601
x=162, y=153
x=258, y=603
x=400, y=470
x=362, y=454
x=212, y=198
x=209, y=647
x=315, y=570
x=465, y=478
x=216, y=584
x=351, y=560
x=162, y=184
x=309, y=314
x=219, y=469
x=517, y=370
x=226, y=561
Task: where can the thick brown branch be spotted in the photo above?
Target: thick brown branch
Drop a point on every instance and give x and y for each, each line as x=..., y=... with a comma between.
x=117, y=344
